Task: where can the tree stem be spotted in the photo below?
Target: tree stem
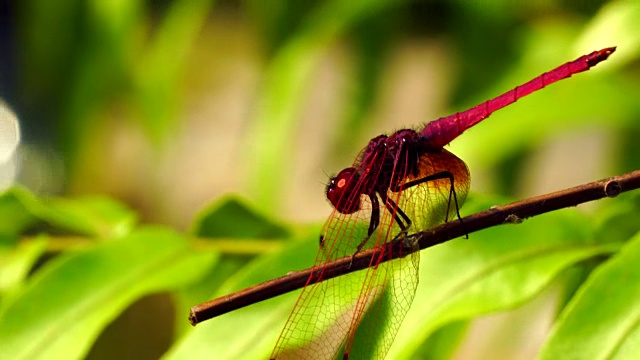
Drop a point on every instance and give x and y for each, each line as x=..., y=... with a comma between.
x=513, y=213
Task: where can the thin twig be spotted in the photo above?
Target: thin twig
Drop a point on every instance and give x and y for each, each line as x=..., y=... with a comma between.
x=511, y=213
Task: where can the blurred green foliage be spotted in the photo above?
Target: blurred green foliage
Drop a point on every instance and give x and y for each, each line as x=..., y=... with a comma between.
x=71, y=265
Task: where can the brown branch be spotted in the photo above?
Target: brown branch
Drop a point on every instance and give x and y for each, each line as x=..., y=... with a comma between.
x=511, y=213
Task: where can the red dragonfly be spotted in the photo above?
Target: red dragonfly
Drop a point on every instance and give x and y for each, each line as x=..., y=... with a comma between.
x=399, y=184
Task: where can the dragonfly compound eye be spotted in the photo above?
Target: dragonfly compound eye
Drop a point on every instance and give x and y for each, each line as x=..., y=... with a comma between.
x=341, y=191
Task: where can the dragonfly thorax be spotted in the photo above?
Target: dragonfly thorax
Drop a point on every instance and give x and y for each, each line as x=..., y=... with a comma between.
x=384, y=165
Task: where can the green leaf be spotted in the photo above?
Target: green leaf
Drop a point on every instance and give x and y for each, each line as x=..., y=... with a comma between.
x=14, y=216
x=601, y=321
x=570, y=105
x=98, y=216
x=16, y=262
x=616, y=25
x=493, y=270
x=94, y=216
x=230, y=218
x=443, y=343
x=64, y=306
x=250, y=332
x=238, y=231
x=286, y=79
x=165, y=62
x=243, y=232
x=618, y=221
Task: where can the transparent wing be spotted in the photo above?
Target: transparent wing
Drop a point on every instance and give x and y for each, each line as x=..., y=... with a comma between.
x=390, y=291
x=360, y=313
x=321, y=318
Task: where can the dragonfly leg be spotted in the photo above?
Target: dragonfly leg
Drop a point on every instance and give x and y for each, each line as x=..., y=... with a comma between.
x=373, y=224
x=395, y=210
x=452, y=191
x=375, y=215
x=375, y=218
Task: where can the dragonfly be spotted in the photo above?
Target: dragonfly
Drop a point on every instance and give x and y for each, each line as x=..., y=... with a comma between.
x=399, y=184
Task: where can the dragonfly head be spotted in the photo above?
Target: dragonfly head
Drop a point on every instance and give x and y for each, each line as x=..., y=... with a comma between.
x=341, y=191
